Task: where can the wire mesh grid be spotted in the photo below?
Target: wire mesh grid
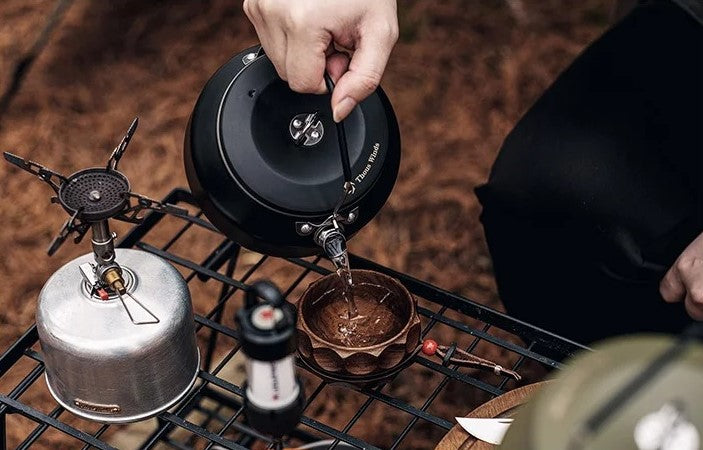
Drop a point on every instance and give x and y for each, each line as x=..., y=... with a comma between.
x=211, y=415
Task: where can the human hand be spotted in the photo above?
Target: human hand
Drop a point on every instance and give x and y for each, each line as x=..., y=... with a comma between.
x=684, y=280
x=300, y=36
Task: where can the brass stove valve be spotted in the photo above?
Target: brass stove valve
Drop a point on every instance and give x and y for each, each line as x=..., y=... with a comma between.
x=113, y=278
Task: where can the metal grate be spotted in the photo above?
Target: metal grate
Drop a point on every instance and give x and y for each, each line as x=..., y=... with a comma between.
x=211, y=415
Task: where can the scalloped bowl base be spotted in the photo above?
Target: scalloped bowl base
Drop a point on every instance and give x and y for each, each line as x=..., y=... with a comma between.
x=385, y=331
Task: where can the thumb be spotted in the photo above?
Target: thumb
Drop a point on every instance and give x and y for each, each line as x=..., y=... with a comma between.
x=671, y=287
x=365, y=70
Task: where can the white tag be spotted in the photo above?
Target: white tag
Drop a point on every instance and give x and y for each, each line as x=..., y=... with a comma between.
x=271, y=384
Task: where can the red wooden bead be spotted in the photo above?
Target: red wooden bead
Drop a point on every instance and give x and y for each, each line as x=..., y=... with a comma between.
x=429, y=347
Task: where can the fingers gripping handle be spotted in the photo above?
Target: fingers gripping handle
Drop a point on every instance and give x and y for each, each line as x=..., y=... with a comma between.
x=341, y=140
x=341, y=137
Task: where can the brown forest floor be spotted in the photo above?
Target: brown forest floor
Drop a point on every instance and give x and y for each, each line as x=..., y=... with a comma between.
x=462, y=74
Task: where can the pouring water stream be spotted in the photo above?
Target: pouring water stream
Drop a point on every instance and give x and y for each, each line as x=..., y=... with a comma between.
x=352, y=320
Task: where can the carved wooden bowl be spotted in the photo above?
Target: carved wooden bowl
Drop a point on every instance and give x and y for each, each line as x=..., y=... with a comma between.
x=387, y=333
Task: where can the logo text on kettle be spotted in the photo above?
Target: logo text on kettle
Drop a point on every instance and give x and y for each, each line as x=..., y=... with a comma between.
x=369, y=163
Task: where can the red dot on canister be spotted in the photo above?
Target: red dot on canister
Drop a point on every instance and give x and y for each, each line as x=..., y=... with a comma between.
x=429, y=347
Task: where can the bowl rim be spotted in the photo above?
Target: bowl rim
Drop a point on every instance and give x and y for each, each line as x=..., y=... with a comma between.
x=406, y=295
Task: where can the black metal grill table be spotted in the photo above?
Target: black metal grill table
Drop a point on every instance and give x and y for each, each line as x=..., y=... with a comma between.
x=211, y=415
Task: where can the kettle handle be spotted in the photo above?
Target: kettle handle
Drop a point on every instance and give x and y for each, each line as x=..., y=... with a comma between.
x=341, y=138
x=266, y=291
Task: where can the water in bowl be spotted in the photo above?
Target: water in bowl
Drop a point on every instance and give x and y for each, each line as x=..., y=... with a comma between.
x=357, y=314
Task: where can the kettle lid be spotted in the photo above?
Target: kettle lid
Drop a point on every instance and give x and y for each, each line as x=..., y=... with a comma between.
x=260, y=118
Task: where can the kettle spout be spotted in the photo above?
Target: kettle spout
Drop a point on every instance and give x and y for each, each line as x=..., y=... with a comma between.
x=334, y=244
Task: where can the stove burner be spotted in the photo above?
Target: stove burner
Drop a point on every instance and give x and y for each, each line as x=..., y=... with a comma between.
x=91, y=196
x=98, y=192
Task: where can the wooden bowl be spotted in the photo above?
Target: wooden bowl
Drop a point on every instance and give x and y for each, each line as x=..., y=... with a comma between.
x=390, y=334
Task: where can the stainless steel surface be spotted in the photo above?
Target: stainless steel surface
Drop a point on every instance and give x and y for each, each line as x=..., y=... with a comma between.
x=92, y=284
x=249, y=57
x=103, y=243
x=88, y=272
x=487, y=430
x=137, y=312
x=102, y=366
x=306, y=129
x=334, y=243
x=306, y=228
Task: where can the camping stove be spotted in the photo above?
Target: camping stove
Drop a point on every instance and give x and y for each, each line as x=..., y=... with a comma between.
x=116, y=328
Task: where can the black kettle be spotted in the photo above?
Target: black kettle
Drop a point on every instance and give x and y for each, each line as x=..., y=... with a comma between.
x=272, y=170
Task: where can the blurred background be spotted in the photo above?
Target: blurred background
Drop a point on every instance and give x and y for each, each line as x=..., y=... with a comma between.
x=461, y=75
